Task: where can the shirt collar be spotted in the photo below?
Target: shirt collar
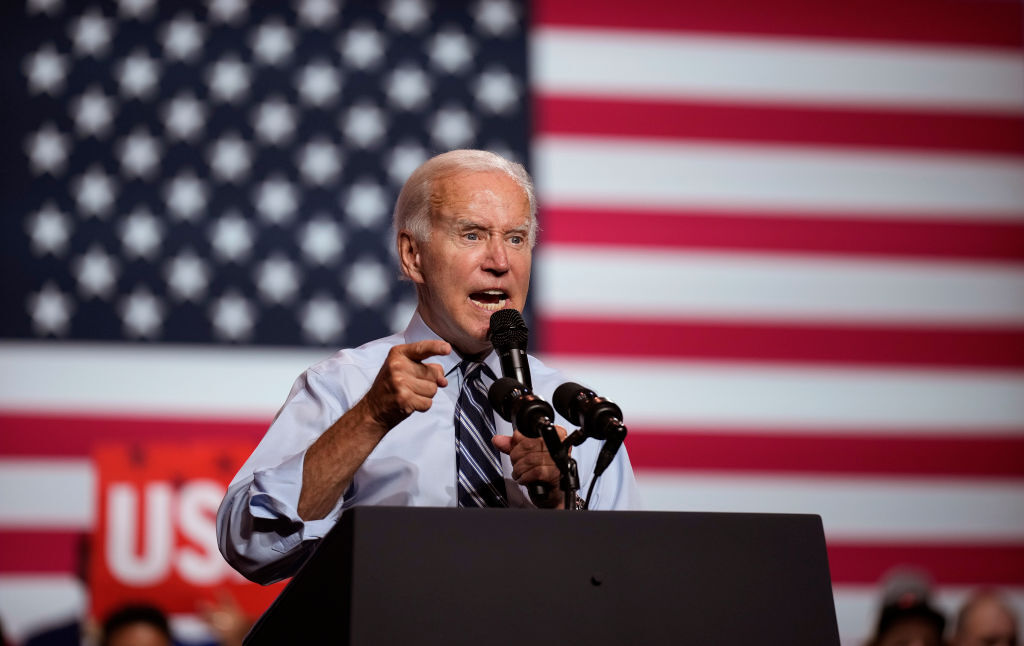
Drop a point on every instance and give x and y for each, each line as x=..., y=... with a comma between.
x=418, y=330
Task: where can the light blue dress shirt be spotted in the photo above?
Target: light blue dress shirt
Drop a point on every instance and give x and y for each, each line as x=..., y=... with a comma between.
x=258, y=528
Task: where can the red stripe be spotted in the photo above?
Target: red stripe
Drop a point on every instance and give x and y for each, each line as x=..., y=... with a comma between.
x=994, y=23
x=720, y=121
x=824, y=452
x=779, y=231
x=697, y=449
x=948, y=564
x=786, y=342
x=28, y=434
x=41, y=552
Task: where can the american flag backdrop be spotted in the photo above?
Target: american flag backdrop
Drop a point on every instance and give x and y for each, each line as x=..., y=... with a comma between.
x=787, y=237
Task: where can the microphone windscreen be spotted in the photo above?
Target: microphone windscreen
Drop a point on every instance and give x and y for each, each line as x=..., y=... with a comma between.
x=503, y=393
x=564, y=400
x=508, y=330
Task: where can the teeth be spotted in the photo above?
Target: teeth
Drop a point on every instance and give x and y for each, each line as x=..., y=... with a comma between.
x=500, y=305
x=493, y=307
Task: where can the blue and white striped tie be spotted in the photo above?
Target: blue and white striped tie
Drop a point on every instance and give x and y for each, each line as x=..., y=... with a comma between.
x=481, y=483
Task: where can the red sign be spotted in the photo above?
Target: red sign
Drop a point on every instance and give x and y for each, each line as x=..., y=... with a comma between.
x=156, y=539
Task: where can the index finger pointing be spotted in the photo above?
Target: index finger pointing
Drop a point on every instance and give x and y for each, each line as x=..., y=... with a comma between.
x=425, y=349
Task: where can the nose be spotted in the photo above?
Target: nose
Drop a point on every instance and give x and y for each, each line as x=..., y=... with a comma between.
x=496, y=258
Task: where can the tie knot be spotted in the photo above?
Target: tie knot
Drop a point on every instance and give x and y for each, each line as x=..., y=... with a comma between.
x=473, y=370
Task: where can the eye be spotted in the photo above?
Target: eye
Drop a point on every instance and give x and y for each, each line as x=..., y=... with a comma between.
x=517, y=240
x=472, y=235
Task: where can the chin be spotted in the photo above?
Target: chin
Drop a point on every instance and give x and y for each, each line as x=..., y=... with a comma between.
x=476, y=342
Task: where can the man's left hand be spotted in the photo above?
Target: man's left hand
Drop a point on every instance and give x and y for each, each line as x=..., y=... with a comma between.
x=531, y=463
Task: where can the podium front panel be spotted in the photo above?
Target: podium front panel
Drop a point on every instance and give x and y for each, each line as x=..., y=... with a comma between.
x=499, y=576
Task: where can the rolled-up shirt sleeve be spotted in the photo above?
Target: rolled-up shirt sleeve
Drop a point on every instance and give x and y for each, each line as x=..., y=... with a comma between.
x=259, y=530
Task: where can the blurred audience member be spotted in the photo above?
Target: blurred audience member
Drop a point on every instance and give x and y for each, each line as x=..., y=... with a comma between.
x=139, y=625
x=147, y=625
x=985, y=619
x=226, y=620
x=907, y=616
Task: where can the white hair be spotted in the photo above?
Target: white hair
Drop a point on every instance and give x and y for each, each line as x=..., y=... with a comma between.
x=412, y=209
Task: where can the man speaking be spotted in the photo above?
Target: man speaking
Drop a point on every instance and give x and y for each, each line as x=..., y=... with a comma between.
x=405, y=420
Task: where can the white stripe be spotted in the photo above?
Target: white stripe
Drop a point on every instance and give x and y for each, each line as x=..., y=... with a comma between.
x=184, y=381
x=656, y=393
x=891, y=509
x=641, y=173
x=857, y=607
x=675, y=394
x=50, y=494
x=473, y=493
x=485, y=452
x=470, y=461
x=662, y=285
x=47, y=494
x=29, y=604
x=790, y=70
x=191, y=629
x=481, y=437
x=920, y=510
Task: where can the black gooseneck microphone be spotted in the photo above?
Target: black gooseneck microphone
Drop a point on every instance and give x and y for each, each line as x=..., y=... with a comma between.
x=516, y=404
x=509, y=335
x=583, y=407
x=599, y=418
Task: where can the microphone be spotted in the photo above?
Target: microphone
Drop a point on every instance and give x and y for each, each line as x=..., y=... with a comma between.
x=581, y=406
x=599, y=418
x=516, y=404
x=508, y=334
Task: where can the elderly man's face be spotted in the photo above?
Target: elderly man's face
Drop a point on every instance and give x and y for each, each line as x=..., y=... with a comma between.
x=988, y=623
x=477, y=259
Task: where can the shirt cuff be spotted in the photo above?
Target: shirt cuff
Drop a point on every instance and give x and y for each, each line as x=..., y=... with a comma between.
x=274, y=495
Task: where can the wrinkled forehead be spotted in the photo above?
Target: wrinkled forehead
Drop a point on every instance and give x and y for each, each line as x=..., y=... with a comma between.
x=458, y=189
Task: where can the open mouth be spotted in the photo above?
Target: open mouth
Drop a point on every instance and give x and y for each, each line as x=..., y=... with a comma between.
x=491, y=299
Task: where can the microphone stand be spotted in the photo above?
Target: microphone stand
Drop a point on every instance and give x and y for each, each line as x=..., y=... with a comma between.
x=559, y=452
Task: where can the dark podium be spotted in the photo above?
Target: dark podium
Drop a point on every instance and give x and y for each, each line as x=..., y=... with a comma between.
x=388, y=575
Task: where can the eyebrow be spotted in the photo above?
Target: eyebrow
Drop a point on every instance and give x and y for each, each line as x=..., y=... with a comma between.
x=466, y=223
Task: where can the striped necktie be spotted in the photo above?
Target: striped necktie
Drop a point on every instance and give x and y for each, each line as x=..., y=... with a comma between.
x=481, y=483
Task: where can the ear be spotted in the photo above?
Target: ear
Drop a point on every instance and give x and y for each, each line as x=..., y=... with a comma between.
x=409, y=256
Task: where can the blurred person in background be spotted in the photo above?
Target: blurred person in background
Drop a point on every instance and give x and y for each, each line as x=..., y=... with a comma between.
x=227, y=621
x=907, y=616
x=136, y=625
x=985, y=619
x=141, y=624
